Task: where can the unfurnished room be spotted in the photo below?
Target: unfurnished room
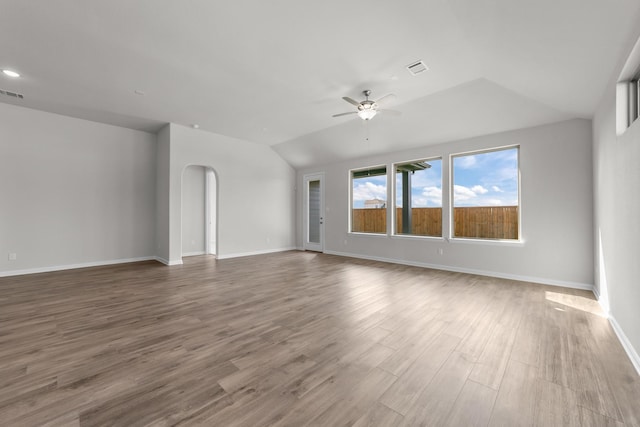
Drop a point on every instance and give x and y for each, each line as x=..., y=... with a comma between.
x=361, y=213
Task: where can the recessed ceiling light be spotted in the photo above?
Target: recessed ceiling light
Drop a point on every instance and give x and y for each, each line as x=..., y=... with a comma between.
x=195, y=126
x=11, y=73
x=139, y=92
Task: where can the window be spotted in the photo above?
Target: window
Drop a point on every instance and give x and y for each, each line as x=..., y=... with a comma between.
x=418, y=201
x=485, y=194
x=627, y=103
x=628, y=92
x=369, y=200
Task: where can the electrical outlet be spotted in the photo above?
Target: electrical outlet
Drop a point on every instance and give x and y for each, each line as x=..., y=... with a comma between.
x=13, y=256
x=440, y=251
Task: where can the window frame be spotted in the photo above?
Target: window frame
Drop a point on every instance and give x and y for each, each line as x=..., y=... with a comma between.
x=393, y=207
x=351, y=178
x=452, y=204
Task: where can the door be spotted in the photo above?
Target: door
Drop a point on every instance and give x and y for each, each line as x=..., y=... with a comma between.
x=314, y=213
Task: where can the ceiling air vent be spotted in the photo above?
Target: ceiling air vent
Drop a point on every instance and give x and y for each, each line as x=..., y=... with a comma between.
x=417, y=68
x=11, y=94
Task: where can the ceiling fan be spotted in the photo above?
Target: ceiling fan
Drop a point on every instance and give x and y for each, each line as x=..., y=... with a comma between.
x=367, y=109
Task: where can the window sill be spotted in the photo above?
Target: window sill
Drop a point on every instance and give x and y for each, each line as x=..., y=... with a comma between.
x=416, y=237
x=493, y=242
x=357, y=233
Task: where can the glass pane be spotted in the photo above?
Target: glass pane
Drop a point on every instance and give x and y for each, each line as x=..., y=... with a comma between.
x=314, y=212
x=419, y=198
x=485, y=195
x=369, y=209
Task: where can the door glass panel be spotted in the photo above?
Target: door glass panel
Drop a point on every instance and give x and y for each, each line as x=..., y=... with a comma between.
x=314, y=211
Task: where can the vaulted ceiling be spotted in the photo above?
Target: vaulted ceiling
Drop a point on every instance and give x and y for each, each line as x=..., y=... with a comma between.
x=274, y=72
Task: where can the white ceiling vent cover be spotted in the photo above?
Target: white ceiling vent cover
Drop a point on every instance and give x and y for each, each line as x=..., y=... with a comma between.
x=11, y=94
x=417, y=68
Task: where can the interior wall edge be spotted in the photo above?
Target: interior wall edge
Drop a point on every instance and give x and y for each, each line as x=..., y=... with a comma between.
x=162, y=260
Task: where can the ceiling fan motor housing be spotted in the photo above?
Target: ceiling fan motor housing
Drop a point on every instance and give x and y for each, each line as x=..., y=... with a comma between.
x=367, y=105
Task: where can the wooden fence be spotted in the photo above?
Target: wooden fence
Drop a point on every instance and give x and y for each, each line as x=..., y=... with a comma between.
x=489, y=222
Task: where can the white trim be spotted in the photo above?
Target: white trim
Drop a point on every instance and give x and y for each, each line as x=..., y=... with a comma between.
x=540, y=280
x=194, y=253
x=162, y=260
x=306, y=179
x=362, y=233
x=626, y=344
x=416, y=237
x=262, y=252
x=74, y=266
x=494, y=242
x=167, y=262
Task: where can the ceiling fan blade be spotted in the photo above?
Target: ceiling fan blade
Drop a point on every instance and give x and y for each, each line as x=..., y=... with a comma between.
x=386, y=99
x=345, y=114
x=351, y=101
x=390, y=112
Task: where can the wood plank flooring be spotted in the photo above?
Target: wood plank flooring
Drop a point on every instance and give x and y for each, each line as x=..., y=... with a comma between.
x=299, y=338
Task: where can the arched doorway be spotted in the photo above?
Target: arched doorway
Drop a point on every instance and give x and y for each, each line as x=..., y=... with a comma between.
x=199, y=211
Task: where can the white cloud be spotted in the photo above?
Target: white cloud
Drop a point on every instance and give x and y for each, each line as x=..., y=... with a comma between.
x=432, y=196
x=465, y=162
x=466, y=196
x=497, y=189
x=419, y=202
x=369, y=191
x=460, y=193
x=479, y=189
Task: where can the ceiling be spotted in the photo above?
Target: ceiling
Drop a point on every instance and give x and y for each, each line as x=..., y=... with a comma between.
x=274, y=72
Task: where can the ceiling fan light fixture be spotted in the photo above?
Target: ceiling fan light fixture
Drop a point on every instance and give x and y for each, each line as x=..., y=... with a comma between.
x=367, y=114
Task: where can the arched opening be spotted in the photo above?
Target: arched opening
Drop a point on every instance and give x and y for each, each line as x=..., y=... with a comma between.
x=199, y=211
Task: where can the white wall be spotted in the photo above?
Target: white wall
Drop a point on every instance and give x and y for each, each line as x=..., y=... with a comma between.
x=193, y=211
x=256, y=197
x=556, y=202
x=617, y=218
x=73, y=192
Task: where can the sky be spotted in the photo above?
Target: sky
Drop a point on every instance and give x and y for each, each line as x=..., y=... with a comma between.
x=484, y=179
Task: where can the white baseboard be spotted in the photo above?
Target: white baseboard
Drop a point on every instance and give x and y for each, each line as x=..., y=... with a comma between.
x=167, y=262
x=541, y=280
x=194, y=253
x=622, y=337
x=74, y=266
x=626, y=344
x=266, y=251
x=603, y=305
